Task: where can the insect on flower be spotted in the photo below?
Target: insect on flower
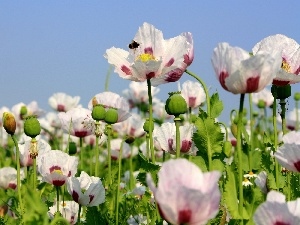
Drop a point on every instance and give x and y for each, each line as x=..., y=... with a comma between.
x=133, y=45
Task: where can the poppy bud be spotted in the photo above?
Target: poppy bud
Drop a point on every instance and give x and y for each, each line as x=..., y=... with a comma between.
x=9, y=123
x=111, y=116
x=281, y=92
x=261, y=104
x=98, y=112
x=23, y=111
x=32, y=127
x=176, y=104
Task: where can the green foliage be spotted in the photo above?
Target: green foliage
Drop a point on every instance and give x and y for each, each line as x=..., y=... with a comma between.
x=216, y=105
x=230, y=194
x=208, y=136
x=146, y=167
x=200, y=162
x=94, y=217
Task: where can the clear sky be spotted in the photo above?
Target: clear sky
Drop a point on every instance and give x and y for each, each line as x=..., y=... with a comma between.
x=58, y=46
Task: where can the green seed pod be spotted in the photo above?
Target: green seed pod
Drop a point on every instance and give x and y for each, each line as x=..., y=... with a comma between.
x=146, y=126
x=281, y=92
x=227, y=148
x=176, y=104
x=72, y=148
x=32, y=127
x=297, y=96
x=261, y=104
x=9, y=123
x=98, y=112
x=111, y=116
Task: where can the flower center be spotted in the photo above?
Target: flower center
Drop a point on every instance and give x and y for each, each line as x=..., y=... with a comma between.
x=57, y=171
x=285, y=66
x=145, y=57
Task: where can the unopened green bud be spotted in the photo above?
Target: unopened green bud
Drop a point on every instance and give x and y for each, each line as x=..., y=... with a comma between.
x=32, y=127
x=111, y=116
x=23, y=111
x=9, y=123
x=98, y=112
x=176, y=104
x=297, y=96
x=72, y=148
x=147, y=126
x=129, y=140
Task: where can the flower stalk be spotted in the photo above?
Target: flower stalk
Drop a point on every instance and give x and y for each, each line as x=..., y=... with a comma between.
x=151, y=125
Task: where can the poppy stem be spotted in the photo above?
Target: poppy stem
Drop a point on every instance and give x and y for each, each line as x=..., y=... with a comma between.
x=119, y=181
x=239, y=152
x=177, y=125
x=250, y=150
x=108, y=127
x=18, y=173
x=150, y=121
x=204, y=88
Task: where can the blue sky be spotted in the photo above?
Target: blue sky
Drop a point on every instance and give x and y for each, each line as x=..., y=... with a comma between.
x=58, y=46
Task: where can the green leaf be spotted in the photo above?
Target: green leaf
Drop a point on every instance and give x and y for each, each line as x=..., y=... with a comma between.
x=216, y=105
x=217, y=164
x=208, y=136
x=230, y=195
x=93, y=217
x=200, y=162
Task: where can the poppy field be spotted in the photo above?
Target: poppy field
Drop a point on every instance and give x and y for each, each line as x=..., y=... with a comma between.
x=132, y=158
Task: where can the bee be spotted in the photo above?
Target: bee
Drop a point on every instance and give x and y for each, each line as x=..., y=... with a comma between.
x=133, y=45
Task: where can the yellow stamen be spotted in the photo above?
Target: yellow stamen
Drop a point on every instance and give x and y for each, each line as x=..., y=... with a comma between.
x=251, y=173
x=57, y=171
x=285, y=66
x=145, y=57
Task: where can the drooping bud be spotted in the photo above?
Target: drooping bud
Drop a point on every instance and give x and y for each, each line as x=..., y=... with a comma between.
x=98, y=112
x=32, y=127
x=111, y=116
x=9, y=123
x=176, y=104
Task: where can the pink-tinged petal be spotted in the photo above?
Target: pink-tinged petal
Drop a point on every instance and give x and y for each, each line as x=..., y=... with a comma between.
x=81, y=133
x=174, y=75
x=184, y=216
x=53, y=168
x=120, y=59
x=150, y=39
x=189, y=56
x=60, y=108
x=288, y=156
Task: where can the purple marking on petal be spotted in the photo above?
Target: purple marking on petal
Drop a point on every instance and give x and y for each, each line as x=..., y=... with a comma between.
x=60, y=108
x=69, y=174
x=91, y=198
x=75, y=196
x=297, y=71
x=81, y=133
x=281, y=223
x=174, y=75
x=170, y=144
x=170, y=62
x=187, y=59
x=280, y=82
x=184, y=216
x=222, y=77
x=52, y=168
x=252, y=84
x=148, y=50
x=185, y=146
x=12, y=185
x=126, y=70
x=297, y=165
x=58, y=182
x=150, y=75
